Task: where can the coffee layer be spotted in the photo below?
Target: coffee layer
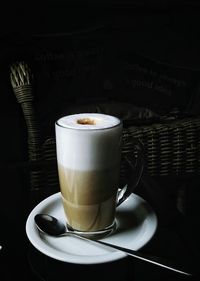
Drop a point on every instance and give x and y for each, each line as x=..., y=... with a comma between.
x=89, y=197
x=90, y=217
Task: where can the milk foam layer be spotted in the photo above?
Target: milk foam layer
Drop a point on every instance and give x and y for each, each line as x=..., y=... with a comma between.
x=96, y=120
x=88, y=147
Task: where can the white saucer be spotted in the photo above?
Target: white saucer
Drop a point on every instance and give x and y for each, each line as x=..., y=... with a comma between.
x=136, y=222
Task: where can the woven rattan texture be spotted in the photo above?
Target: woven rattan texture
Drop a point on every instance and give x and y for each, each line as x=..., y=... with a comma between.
x=171, y=147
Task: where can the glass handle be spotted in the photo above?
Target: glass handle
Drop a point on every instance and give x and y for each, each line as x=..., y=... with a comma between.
x=136, y=167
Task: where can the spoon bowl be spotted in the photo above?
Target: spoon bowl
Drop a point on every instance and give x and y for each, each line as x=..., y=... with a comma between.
x=50, y=225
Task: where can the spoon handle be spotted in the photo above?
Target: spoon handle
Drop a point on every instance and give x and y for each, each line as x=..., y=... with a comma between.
x=136, y=254
x=145, y=257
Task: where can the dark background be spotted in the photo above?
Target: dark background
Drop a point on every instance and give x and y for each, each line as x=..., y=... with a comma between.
x=163, y=36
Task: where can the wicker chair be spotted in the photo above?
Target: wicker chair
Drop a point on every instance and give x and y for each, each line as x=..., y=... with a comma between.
x=171, y=146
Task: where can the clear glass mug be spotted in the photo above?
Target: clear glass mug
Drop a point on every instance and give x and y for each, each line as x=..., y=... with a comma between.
x=89, y=155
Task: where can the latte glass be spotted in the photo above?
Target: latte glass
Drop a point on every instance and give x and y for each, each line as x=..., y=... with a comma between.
x=88, y=147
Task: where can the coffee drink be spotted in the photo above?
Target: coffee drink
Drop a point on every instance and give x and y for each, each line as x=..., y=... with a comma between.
x=88, y=156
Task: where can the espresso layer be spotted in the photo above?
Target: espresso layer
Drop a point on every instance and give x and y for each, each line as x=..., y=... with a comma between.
x=90, y=217
x=89, y=197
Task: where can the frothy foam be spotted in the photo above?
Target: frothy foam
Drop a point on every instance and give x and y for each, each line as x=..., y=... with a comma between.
x=91, y=121
x=88, y=141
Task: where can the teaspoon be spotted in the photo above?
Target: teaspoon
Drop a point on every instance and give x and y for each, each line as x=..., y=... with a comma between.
x=50, y=225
